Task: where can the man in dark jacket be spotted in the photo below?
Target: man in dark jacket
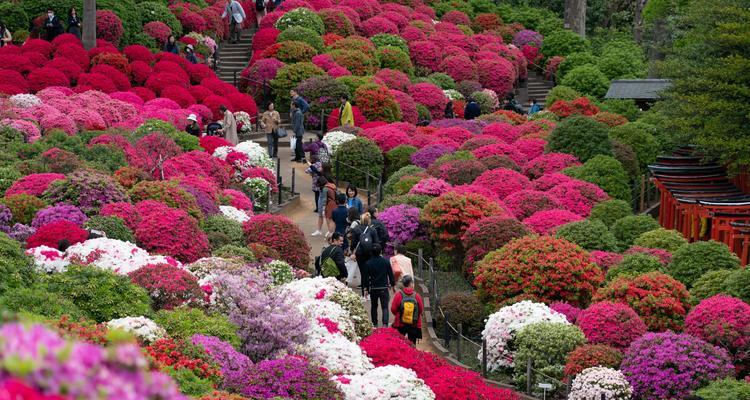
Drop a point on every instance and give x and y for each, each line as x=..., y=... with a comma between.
x=472, y=110
x=336, y=253
x=412, y=331
x=298, y=126
x=378, y=281
x=383, y=237
x=52, y=25
x=340, y=213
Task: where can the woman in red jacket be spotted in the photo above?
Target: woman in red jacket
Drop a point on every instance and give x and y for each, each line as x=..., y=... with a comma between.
x=407, y=308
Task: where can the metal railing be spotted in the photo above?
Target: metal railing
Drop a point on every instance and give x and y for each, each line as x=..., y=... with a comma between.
x=369, y=179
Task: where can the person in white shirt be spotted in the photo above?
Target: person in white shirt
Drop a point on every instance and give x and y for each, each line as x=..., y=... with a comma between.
x=236, y=15
x=401, y=265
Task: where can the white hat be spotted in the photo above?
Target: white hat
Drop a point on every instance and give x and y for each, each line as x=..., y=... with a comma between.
x=190, y=46
x=192, y=117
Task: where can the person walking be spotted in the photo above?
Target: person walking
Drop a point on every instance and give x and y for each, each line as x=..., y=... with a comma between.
x=331, y=195
x=340, y=214
x=346, y=115
x=351, y=198
x=171, y=46
x=534, y=107
x=260, y=11
x=269, y=122
x=352, y=220
x=407, y=308
x=379, y=281
x=315, y=170
x=400, y=264
x=229, y=127
x=364, y=238
x=74, y=23
x=52, y=25
x=335, y=253
x=449, y=114
x=322, y=200
x=190, y=54
x=5, y=37
x=193, y=128
x=236, y=15
x=298, y=127
x=472, y=109
x=383, y=237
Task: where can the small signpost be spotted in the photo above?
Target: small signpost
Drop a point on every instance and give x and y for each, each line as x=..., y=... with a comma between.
x=545, y=387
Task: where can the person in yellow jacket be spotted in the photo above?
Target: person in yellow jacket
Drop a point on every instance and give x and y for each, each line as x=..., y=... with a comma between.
x=346, y=116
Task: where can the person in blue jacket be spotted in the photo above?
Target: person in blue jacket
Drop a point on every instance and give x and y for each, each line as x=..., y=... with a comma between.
x=171, y=46
x=472, y=110
x=352, y=201
x=534, y=107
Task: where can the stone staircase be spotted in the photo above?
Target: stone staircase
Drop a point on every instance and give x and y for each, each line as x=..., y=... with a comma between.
x=233, y=57
x=536, y=88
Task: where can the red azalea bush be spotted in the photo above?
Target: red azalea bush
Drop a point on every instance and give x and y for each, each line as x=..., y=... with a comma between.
x=497, y=75
x=531, y=148
x=167, y=192
x=489, y=234
x=546, y=222
x=450, y=215
x=549, y=163
x=174, y=233
x=431, y=97
x=425, y=54
x=525, y=203
x=502, y=182
x=336, y=22
x=610, y=119
x=126, y=211
x=377, y=103
x=178, y=354
x=539, y=267
x=394, y=79
x=281, y=234
x=407, y=105
x=108, y=26
x=503, y=131
x=128, y=177
x=501, y=149
x=41, y=78
x=33, y=184
x=137, y=52
x=591, y=355
x=613, y=324
x=211, y=143
x=660, y=300
x=723, y=321
x=579, y=106
x=169, y=286
x=578, y=196
x=265, y=37
x=51, y=234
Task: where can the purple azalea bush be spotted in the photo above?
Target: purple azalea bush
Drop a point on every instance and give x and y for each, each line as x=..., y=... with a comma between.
x=20, y=232
x=290, y=377
x=671, y=365
x=234, y=365
x=89, y=190
x=402, y=223
x=5, y=215
x=206, y=205
x=528, y=37
x=424, y=157
x=60, y=212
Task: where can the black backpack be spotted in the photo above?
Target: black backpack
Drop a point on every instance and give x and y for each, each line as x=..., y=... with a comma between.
x=367, y=240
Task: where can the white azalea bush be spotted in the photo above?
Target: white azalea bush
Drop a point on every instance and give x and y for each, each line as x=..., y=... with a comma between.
x=257, y=155
x=260, y=188
x=235, y=214
x=143, y=328
x=48, y=260
x=281, y=272
x=317, y=288
x=334, y=139
x=328, y=346
x=502, y=326
x=25, y=100
x=591, y=383
x=315, y=310
x=389, y=382
x=453, y=94
x=244, y=119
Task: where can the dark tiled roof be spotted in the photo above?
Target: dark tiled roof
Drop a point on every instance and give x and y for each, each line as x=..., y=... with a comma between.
x=637, y=89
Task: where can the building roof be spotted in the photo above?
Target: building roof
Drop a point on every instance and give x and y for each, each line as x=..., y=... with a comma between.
x=637, y=89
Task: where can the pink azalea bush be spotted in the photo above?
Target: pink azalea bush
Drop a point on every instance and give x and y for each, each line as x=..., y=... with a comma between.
x=430, y=187
x=613, y=324
x=503, y=182
x=547, y=221
x=723, y=321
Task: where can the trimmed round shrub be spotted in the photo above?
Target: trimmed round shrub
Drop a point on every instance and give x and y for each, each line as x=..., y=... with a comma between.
x=398, y=157
x=738, y=284
x=169, y=286
x=671, y=365
x=591, y=355
x=634, y=265
x=386, y=39
x=290, y=376
x=589, y=234
x=37, y=300
x=464, y=309
x=54, y=233
x=360, y=154
x=457, y=172
x=222, y=231
x=281, y=234
x=489, y=234
x=605, y=172
x=709, y=284
x=588, y=80
x=562, y=43
x=661, y=238
x=572, y=61
x=395, y=58
x=184, y=322
x=23, y=207
x=232, y=251
x=388, y=187
x=723, y=321
x=547, y=221
x=503, y=182
x=302, y=34
x=693, y=260
x=102, y=295
x=450, y=215
x=86, y=189
x=725, y=389
x=16, y=269
x=172, y=232
x=640, y=138
x=113, y=227
x=293, y=51
x=169, y=193
x=288, y=77
x=659, y=299
x=612, y=324
x=538, y=267
x=622, y=62
x=627, y=229
x=580, y=136
x=377, y=103
x=336, y=22
x=547, y=345
x=301, y=17
x=525, y=203
x=610, y=211
x=560, y=92
x=357, y=62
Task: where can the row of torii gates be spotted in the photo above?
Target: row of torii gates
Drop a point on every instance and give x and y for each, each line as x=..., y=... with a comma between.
x=702, y=202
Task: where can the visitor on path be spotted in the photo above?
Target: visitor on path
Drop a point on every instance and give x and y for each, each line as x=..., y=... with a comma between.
x=321, y=182
x=352, y=218
x=299, y=101
x=298, y=127
x=378, y=280
x=193, y=128
x=407, y=308
x=534, y=107
x=351, y=198
x=52, y=25
x=5, y=37
x=236, y=15
x=472, y=109
x=229, y=128
x=340, y=214
x=346, y=115
x=383, y=236
x=260, y=11
x=74, y=23
x=449, y=114
x=269, y=122
x=510, y=104
x=190, y=54
x=401, y=264
x=315, y=170
x=331, y=193
x=171, y=46
x=364, y=238
x=335, y=253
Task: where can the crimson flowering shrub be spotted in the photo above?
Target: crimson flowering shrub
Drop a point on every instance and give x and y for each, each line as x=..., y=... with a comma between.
x=489, y=234
x=502, y=149
x=169, y=286
x=174, y=233
x=281, y=234
x=178, y=354
x=605, y=259
x=578, y=196
x=41, y=78
x=503, y=131
x=238, y=199
x=265, y=174
x=569, y=311
x=548, y=181
x=660, y=300
x=431, y=97
x=211, y=143
x=547, y=221
x=579, y=106
x=336, y=22
x=430, y=187
x=670, y=365
x=394, y=79
x=539, y=267
x=497, y=75
x=126, y=211
x=377, y=103
x=33, y=184
x=503, y=182
x=51, y=234
x=376, y=25
x=525, y=203
x=723, y=321
x=613, y=324
x=450, y=215
x=591, y=355
x=549, y=163
x=407, y=106
x=459, y=67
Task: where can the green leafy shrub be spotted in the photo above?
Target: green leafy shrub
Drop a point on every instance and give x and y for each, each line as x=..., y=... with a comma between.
x=292, y=51
x=589, y=234
x=725, y=389
x=288, y=77
x=423, y=113
x=233, y=251
x=184, y=322
x=395, y=58
x=8, y=175
x=562, y=43
x=16, y=268
x=485, y=101
x=102, y=295
x=14, y=17
x=610, y=211
x=625, y=107
x=388, y=187
x=619, y=61
x=324, y=93
x=441, y=80
x=37, y=300
x=710, y=284
x=626, y=156
x=23, y=207
x=667, y=239
x=387, y=39
x=222, y=231
x=635, y=264
x=572, y=61
x=638, y=136
x=738, y=284
x=560, y=92
x=403, y=186
x=588, y=80
x=301, y=17
x=358, y=155
x=605, y=172
x=627, y=229
x=691, y=261
x=354, y=82
x=151, y=11
x=106, y=158
x=583, y=137
x=189, y=383
x=398, y=157
x=302, y=34
x=113, y=227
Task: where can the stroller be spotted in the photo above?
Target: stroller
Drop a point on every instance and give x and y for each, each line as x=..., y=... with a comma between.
x=212, y=129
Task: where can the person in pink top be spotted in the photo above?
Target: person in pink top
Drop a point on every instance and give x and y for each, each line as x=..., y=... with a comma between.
x=401, y=264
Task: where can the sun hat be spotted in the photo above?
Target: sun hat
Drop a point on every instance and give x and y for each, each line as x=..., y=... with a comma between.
x=192, y=117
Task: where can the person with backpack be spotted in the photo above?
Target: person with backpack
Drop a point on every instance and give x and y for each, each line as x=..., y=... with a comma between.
x=407, y=308
x=364, y=238
x=331, y=262
x=378, y=281
x=383, y=236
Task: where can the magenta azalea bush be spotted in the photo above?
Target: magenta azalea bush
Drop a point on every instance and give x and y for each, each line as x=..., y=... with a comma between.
x=430, y=187
x=613, y=324
x=725, y=322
